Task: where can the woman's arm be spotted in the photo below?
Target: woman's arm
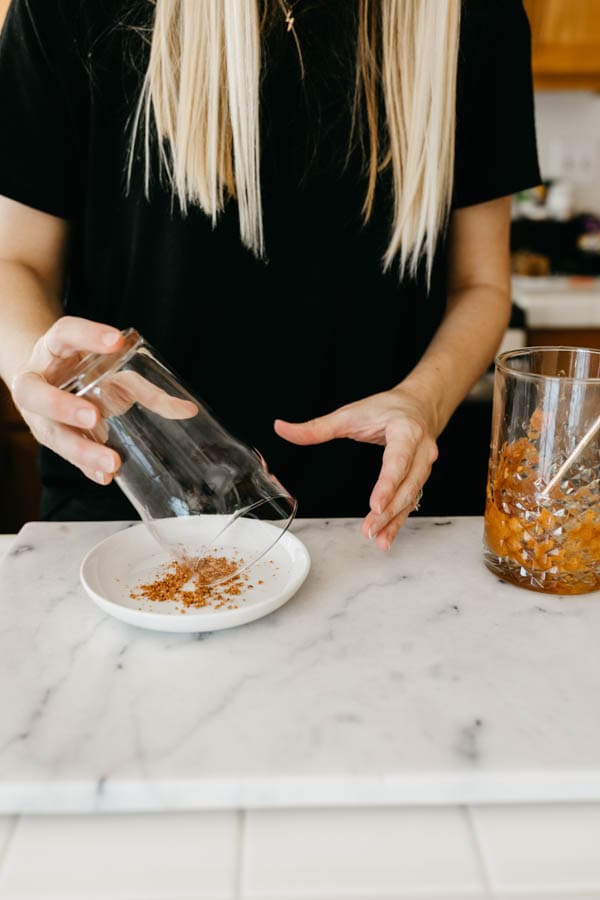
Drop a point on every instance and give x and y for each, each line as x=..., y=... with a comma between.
x=33, y=247
x=34, y=335
x=32, y=254
x=478, y=312
x=408, y=419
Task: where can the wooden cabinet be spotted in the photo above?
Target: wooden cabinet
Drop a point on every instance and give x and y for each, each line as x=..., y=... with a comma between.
x=564, y=337
x=566, y=43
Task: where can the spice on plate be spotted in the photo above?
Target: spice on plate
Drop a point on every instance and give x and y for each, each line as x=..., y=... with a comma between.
x=190, y=582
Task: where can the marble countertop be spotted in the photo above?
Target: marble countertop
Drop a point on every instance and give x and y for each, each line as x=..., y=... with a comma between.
x=6, y=542
x=411, y=678
x=556, y=302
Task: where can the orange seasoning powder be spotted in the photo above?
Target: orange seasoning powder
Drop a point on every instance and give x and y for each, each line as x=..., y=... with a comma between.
x=189, y=582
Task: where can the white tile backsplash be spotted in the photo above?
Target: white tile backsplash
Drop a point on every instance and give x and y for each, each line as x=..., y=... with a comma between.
x=402, y=895
x=190, y=856
x=358, y=853
x=549, y=849
x=541, y=852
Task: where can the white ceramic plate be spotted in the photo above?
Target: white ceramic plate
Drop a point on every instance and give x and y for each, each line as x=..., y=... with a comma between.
x=115, y=567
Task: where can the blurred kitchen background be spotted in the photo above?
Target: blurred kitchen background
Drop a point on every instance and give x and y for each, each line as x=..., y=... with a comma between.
x=556, y=262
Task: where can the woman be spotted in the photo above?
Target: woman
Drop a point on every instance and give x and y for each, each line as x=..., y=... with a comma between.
x=210, y=171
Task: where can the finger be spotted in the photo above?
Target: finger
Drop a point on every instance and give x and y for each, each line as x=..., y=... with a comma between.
x=102, y=478
x=316, y=431
x=386, y=538
x=87, y=455
x=70, y=334
x=406, y=496
x=32, y=393
x=397, y=460
x=140, y=390
x=100, y=432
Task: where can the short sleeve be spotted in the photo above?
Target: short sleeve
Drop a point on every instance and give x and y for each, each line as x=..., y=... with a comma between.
x=40, y=151
x=496, y=148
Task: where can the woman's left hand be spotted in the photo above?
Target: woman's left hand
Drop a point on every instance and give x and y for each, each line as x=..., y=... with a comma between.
x=398, y=421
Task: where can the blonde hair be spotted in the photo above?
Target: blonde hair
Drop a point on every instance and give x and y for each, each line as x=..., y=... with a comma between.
x=201, y=95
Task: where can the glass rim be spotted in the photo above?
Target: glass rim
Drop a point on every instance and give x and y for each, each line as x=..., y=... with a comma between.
x=502, y=359
x=282, y=525
x=283, y=528
x=118, y=357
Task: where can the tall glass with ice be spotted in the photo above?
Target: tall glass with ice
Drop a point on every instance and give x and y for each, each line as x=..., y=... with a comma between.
x=542, y=517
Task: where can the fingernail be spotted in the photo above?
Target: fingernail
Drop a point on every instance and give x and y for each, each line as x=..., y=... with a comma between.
x=100, y=477
x=371, y=534
x=107, y=464
x=85, y=417
x=383, y=543
x=110, y=338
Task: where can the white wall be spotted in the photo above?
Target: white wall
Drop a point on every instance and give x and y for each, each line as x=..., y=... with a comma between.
x=568, y=124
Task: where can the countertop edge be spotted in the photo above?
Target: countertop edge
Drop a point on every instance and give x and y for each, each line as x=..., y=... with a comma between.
x=410, y=789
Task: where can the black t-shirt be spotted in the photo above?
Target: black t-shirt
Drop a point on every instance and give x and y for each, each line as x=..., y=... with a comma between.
x=317, y=325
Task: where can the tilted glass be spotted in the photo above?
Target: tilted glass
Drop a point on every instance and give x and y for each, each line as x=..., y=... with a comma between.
x=178, y=461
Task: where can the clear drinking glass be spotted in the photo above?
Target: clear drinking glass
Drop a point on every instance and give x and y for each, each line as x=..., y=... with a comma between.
x=542, y=518
x=178, y=462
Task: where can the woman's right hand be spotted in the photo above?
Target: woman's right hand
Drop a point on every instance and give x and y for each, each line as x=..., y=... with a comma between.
x=56, y=418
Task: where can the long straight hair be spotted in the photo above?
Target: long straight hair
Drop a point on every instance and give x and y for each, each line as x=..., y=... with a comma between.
x=201, y=97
